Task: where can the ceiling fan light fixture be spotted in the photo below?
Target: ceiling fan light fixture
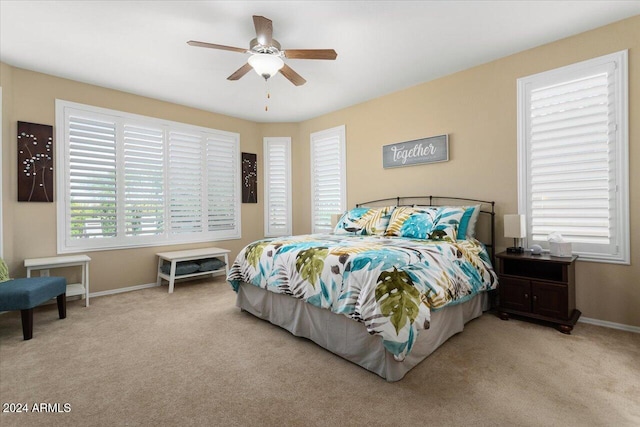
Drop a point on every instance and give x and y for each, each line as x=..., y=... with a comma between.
x=267, y=54
x=266, y=65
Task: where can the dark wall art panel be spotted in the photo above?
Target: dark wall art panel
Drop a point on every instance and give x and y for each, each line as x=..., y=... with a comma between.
x=35, y=162
x=249, y=178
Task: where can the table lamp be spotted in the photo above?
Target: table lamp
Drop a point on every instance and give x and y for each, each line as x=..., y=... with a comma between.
x=334, y=219
x=515, y=227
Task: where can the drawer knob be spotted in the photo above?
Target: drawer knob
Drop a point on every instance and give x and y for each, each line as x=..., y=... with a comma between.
x=526, y=295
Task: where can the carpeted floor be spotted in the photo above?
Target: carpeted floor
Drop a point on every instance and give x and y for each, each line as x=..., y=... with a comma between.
x=192, y=358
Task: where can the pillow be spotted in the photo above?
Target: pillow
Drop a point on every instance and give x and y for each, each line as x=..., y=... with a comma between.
x=447, y=223
x=210, y=264
x=467, y=227
x=445, y=232
x=468, y=222
x=379, y=221
x=4, y=271
x=182, y=267
x=414, y=223
x=351, y=219
x=368, y=221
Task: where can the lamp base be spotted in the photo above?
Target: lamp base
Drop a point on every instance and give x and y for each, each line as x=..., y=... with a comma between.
x=515, y=250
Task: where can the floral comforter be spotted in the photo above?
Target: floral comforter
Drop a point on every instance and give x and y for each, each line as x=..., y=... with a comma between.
x=389, y=284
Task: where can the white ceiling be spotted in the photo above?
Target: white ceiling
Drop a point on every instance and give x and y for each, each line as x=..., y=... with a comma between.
x=383, y=46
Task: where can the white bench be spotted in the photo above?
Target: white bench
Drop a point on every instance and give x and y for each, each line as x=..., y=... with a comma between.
x=190, y=255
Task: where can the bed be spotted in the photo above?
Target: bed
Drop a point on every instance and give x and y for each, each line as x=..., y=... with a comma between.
x=394, y=280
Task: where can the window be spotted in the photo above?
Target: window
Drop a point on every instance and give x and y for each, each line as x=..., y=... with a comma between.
x=328, y=177
x=277, y=186
x=573, y=152
x=126, y=181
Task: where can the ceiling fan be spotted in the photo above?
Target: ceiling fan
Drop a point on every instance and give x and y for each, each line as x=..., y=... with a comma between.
x=266, y=54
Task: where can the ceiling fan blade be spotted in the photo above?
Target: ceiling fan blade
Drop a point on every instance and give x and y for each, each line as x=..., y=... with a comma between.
x=240, y=72
x=216, y=46
x=264, y=30
x=310, y=53
x=292, y=76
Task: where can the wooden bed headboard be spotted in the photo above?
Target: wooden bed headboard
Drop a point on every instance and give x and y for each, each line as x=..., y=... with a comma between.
x=486, y=233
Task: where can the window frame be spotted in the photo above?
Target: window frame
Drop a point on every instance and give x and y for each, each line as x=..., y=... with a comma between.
x=67, y=245
x=338, y=132
x=285, y=141
x=621, y=212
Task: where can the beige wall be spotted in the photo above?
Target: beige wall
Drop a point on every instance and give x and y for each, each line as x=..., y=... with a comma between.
x=30, y=228
x=476, y=107
x=7, y=214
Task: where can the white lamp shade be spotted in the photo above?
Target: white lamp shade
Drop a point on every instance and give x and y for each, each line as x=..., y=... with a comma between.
x=334, y=219
x=265, y=65
x=515, y=226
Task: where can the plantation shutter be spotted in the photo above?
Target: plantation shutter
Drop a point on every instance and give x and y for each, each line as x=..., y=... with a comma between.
x=277, y=184
x=143, y=180
x=223, y=195
x=92, y=177
x=126, y=181
x=328, y=167
x=574, y=159
x=185, y=182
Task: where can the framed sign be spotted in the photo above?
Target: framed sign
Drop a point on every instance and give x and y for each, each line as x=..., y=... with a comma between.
x=419, y=151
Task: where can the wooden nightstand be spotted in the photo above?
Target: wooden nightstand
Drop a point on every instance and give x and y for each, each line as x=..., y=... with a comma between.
x=539, y=287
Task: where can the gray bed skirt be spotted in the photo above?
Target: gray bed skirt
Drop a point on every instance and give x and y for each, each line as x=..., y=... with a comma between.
x=350, y=339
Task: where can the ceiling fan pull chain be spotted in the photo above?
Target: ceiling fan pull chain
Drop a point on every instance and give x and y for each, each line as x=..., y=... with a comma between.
x=266, y=107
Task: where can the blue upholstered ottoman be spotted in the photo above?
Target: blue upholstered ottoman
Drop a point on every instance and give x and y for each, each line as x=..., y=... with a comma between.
x=25, y=294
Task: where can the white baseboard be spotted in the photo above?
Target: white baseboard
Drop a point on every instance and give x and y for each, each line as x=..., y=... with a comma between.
x=611, y=325
x=121, y=290
x=597, y=322
x=139, y=287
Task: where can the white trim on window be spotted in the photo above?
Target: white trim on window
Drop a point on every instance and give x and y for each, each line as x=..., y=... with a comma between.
x=573, y=157
x=277, y=186
x=125, y=180
x=328, y=177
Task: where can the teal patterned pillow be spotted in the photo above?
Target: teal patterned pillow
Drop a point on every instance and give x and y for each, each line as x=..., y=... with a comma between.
x=467, y=224
x=468, y=221
x=352, y=219
x=445, y=232
x=414, y=223
x=379, y=220
x=446, y=223
x=368, y=221
x=419, y=224
x=398, y=217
